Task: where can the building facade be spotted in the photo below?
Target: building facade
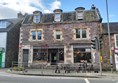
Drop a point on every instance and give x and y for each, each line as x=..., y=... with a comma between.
x=9, y=39
x=114, y=46
x=59, y=37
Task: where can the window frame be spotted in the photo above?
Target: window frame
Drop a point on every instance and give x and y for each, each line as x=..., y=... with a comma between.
x=36, y=19
x=59, y=33
x=57, y=17
x=79, y=15
x=116, y=44
x=34, y=30
x=4, y=23
x=80, y=33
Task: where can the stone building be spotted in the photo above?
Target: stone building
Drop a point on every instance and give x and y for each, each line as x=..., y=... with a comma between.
x=114, y=45
x=59, y=37
x=9, y=41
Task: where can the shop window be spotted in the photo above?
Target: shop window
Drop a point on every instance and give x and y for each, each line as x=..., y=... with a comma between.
x=39, y=55
x=81, y=55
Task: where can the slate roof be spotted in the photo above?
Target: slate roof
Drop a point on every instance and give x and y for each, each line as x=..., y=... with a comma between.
x=113, y=28
x=89, y=15
x=13, y=23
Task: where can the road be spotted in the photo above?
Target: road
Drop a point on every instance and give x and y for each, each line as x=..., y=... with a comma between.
x=12, y=78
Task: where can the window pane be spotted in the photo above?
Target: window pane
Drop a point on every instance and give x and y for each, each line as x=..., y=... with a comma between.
x=33, y=35
x=77, y=33
x=116, y=37
x=117, y=43
x=83, y=33
x=36, y=19
x=39, y=35
x=58, y=37
x=58, y=34
x=57, y=17
x=80, y=15
x=4, y=24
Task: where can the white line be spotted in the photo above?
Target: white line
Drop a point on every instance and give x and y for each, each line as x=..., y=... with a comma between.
x=86, y=80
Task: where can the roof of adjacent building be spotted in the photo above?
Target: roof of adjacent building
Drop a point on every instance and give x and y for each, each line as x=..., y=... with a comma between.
x=12, y=23
x=89, y=16
x=113, y=26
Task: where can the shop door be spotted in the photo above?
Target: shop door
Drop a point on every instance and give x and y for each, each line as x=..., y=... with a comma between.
x=25, y=57
x=53, y=58
x=0, y=59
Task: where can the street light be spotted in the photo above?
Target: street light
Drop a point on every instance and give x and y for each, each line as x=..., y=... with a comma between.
x=111, y=62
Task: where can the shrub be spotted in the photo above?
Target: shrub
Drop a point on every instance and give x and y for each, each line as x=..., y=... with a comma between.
x=18, y=68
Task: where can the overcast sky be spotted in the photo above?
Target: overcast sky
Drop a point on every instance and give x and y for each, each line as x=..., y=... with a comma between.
x=10, y=8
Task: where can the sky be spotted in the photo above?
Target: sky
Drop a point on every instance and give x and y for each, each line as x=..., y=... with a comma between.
x=10, y=8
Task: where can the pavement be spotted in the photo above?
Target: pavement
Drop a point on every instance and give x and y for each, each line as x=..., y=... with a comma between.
x=51, y=72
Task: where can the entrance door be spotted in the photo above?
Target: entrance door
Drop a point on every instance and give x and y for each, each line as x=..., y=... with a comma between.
x=25, y=57
x=53, y=58
x=0, y=59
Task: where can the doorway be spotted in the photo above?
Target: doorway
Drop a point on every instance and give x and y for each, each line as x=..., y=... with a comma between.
x=25, y=57
x=0, y=59
x=53, y=58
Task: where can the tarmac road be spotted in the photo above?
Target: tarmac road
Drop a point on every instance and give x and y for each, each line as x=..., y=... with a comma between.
x=13, y=78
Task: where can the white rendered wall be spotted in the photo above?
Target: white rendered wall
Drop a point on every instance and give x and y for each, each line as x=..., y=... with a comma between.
x=3, y=39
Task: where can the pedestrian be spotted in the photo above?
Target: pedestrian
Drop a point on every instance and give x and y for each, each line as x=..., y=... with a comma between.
x=57, y=69
x=84, y=66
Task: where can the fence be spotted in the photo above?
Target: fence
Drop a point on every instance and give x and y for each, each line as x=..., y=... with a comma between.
x=60, y=69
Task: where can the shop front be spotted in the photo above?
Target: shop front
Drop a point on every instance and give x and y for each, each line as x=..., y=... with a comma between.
x=82, y=53
x=51, y=55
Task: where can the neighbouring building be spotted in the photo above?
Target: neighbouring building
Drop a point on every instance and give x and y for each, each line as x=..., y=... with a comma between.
x=59, y=37
x=114, y=45
x=9, y=41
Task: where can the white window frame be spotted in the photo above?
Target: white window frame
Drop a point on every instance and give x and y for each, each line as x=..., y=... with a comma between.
x=57, y=17
x=4, y=24
x=80, y=15
x=31, y=39
x=116, y=45
x=36, y=18
x=80, y=33
x=55, y=34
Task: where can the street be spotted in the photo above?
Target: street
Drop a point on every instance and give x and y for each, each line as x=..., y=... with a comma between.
x=13, y=78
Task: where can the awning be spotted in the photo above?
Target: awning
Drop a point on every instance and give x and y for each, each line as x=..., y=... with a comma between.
x=48, y=47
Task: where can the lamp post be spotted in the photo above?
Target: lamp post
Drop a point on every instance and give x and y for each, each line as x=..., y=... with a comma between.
x=111, y=62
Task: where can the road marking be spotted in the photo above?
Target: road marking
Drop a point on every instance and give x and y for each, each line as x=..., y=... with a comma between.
x=86, y=80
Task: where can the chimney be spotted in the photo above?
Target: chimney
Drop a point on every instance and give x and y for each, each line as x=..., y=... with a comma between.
x=20, y=15
x=93, y=7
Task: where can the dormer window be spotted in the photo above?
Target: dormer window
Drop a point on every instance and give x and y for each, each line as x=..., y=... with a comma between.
x=4, y=24
x=58, y=17
x=37, y=17
x=80, y=13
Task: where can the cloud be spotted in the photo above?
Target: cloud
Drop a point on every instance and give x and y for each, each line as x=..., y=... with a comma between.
x=12, y=7
x=7, y=13
x=111, y=16
x=55, y=5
